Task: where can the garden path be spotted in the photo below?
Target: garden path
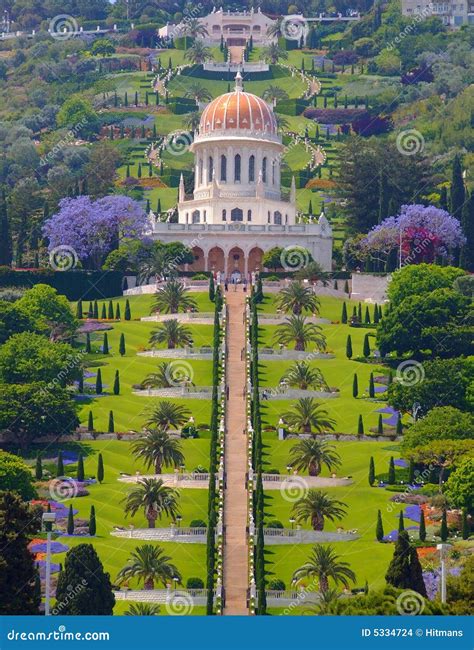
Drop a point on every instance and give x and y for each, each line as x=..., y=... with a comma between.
x=235, y=497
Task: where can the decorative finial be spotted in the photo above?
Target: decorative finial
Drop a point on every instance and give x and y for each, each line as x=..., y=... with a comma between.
x=238, y=81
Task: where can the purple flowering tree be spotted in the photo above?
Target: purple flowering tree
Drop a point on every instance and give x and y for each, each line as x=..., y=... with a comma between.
x=94, y=228
x=425, y=234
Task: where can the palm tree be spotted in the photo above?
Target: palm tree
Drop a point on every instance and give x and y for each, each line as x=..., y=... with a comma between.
x=172, y=297
x=167, y=415
x=312, y=272
x=315, y=506
x=326, y=604
x=142, y=609
x=192, y=121
x=273, y=52
x=193, y=27
x=154, y=265
x=158, y=448
x=155, y=498
x=199, y=53
x=297, y=329
x=297, y=298
x=172, y=333
x=282, y=122
x=198, y=92
x=323, y=564
x=312, y=454
x=275, y=29
x=166, y=377
x=274, y=94
x=302, y=376
x=307, y=416
x=149, y=564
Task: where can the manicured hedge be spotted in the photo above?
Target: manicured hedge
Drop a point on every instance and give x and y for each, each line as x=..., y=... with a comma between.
x=336, y=115
x=274, y=72
x=88, y=285
x=183, y=42
x=180, y=105
x=292, y=106
x=302, y=176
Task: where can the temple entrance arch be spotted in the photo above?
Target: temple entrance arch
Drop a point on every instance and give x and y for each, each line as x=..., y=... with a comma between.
x=216, y=260
x=199, y=263
x=236, y=264
x=255, y=260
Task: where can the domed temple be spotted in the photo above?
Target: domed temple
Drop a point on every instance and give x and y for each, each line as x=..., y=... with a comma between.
x=237, y=210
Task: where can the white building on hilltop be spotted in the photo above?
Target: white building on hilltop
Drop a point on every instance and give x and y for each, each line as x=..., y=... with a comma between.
x=451, y=12
x=237, y=210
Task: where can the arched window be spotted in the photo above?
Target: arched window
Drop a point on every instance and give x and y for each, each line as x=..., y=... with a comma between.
x=224, y=215
x=210, y=170
x=196, y=216
x=237, y=161
x=264, y=170
x=252, y=169
x=249, y=215
x=277, y=218
x=237, y=215
x=200, y=171
x=223, y=168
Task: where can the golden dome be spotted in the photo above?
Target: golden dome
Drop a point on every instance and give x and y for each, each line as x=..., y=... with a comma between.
x=238, y=110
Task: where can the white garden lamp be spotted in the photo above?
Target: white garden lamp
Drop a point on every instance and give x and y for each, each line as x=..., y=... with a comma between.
x=48, y=519
x=443, y=549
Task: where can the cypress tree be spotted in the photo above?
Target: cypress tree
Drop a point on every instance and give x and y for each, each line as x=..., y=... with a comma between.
x=379, y=527
x=60, y=465
x=212, y=289
x=458, y=192
x=103, y=314
x=359, y=312
x=371, y=471
x=98, y=382
x=117, y=312
x=70, y=521
x=355, y=386
x=105, y=344
x=111, y=427
x=371, y=385
x=444, y=533
x=443, y=198
x=401, y=523
x=422, y=530
x=79, y=310
x=367, y=316
x=39, y=468
x=404, y=571
x=6, y=250
x=90, y=422
x=380, y=426
x=90, y=311
x=391, y=471
x=346, y=287
x=110, y=313
x=349, y=347
x=128, y=313
x=80, y=383
x=466, y=259
x=344, y=313
x=465, y=525
x=88, y=347
x=96, y=310
x=92, y=522
x=100, y=468
x=80, y=468
x=366, y=348
x=122, y=344
x=411, y=471
x=399, y=425
x=376, y=313
x=117, y=383
x=360, y=426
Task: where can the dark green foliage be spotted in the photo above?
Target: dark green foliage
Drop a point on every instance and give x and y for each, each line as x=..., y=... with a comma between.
x=117, y=312
x=100, y=468
x=70, y=521
x=105, y=344
x=367, y=315
x=128, y=313
x=98, y=382
x=96, y=310
x=371, y=385
x=92, y=522
x=465, y=525
x=80, y=468
x=60, y=465
x=111, y=427
x=444, y=532
x=359, y=312
x=88, y=347
x=366, y=348
x=38, y=468
x=90, y=422
x=344, y=313
x=380, y=425
x=103, y=312
x=346, y=287
x=355, y=386
x=6, y=252
x=110, y=311
x=371, y=471
x=401, y=522
x=399, y=425
x=83, y=567
x=411, y=471
x=379, y=527
x=117, y=383
x=212, y=289
x=19, y=594
x=90, y=311
x=122, y=345
x=360, y=426
x=391, y=471
x=404, y=571
x=376, y=313
x=79, y=309
x=458, y=191
x=349, y=347
x=422, y=529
